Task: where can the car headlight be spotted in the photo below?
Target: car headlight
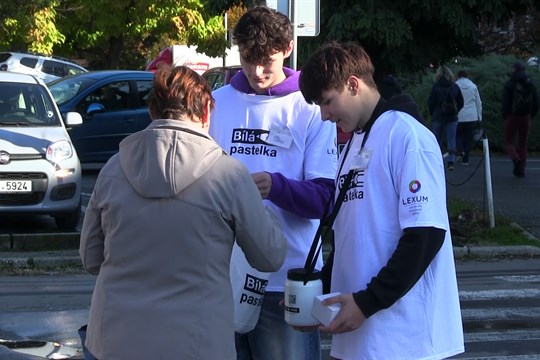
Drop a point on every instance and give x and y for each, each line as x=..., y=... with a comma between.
x=59, y=150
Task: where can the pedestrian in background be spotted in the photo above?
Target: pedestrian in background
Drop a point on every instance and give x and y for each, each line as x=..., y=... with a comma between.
x=444, y=103
x=262, y=119
x=468, y=117
x=389, y=86
x=393, y=261
x=519, y=105
x=159, y=230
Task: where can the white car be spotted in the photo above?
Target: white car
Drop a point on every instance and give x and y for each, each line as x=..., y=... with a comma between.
x=40, y=172
x=47, y=68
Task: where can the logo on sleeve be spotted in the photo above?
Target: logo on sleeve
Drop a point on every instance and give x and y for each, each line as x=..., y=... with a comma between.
x=415, y=201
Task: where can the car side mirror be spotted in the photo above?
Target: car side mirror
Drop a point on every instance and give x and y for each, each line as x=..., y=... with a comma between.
x=73, y=118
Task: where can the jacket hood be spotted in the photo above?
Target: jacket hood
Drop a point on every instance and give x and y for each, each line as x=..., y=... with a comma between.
x=464, y=83
x=519, y=76
x=444, y=82
x=240, y=82
x=401, y=102
x=166, y=157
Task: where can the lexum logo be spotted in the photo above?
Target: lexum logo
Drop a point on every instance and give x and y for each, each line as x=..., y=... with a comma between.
x=4, y=157
x=415, y=186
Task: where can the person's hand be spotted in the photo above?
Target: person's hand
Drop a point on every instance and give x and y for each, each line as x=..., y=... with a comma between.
x=300, y=328
x=349, y=318
x=263, y=180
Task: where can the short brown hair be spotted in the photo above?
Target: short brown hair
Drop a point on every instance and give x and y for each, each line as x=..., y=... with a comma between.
x=261, y=32
x=179, y=92
x=330, y=66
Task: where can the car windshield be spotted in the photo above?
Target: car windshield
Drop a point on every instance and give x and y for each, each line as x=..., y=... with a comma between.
x=65, y=89
x=23, y=104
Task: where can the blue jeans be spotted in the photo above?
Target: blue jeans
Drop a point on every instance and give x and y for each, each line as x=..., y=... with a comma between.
x=82, y=334
x=450, y=129
x=274, y=339
x=464, y=138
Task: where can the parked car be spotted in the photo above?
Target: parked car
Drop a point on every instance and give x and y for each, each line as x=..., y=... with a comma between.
x=47, y=68
x=113, y=105
x=219, y=76
x=39, y=169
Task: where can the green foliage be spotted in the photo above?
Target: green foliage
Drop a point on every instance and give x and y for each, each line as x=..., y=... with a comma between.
x=29, y=25
x=489, y=73
x=470, y=228
x=408, y=35
x=109, y=34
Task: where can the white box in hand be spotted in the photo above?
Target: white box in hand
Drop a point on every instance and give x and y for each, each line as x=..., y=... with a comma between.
x=325, y=314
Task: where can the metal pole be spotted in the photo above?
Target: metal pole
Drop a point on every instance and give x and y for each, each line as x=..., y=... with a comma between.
x=489, y=191
x=292, y=17
x=226, y=24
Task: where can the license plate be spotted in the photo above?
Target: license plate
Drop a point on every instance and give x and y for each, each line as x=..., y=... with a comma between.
x=15, y=186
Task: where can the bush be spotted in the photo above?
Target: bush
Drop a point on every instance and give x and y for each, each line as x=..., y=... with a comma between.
x=489, y=73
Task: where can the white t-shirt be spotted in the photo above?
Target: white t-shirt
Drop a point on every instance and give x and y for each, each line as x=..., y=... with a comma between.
x=240, y=124
x=403, y=186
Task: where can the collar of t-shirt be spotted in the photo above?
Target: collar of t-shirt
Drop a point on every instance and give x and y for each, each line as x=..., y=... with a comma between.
x=287, y=86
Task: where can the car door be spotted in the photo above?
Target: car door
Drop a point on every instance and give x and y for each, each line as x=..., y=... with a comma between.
x=142, y=88
x=108, y=118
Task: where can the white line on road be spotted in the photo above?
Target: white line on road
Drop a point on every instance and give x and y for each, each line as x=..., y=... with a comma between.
x=505, y=357
x=504, y=335
x=499, y=294
x=494, y=314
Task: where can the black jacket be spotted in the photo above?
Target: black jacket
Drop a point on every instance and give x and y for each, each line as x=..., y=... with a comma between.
x=436, y=96
x=508, y=92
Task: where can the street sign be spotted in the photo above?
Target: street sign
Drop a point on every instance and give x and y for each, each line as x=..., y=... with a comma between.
x=307, y=17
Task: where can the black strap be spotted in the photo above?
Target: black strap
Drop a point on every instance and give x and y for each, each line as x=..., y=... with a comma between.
x=326, y=223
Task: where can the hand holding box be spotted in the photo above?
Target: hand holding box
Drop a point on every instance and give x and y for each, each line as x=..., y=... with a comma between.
x=325, y=314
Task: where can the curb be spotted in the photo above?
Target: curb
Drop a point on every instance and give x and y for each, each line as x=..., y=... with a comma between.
x=12, y=261
x=39, y=241
x=491, y=252
x=48, y=251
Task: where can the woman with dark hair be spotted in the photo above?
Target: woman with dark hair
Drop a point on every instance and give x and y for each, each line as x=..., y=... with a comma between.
x=159, y=231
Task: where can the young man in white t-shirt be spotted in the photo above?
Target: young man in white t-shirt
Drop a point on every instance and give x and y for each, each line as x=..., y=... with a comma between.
x=262, y=119
x=393, y=261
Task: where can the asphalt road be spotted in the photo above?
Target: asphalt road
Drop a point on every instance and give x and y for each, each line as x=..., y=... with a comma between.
x=499, y=303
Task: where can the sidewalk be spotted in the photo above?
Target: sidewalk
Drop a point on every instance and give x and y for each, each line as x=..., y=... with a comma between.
x=514, y=198
x=68, y=260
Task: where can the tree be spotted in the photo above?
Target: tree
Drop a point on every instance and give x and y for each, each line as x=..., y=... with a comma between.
x=109, y=34
x=407, y=35
x=118, y=33
x=29, y=25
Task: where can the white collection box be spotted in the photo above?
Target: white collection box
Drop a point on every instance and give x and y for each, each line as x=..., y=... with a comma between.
x=325, y=314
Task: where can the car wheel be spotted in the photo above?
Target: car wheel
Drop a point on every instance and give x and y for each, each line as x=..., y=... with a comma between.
x=68, y=221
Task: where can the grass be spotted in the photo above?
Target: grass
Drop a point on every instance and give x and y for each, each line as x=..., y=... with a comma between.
x=471, y=228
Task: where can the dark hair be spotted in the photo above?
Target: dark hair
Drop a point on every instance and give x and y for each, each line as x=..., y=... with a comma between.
x=462, y=74
x=262, y=32
x=330, y=66
x=179, y=92
x=519, y=66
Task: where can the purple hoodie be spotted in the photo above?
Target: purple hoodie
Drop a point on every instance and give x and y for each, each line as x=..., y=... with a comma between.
x=305, y=198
